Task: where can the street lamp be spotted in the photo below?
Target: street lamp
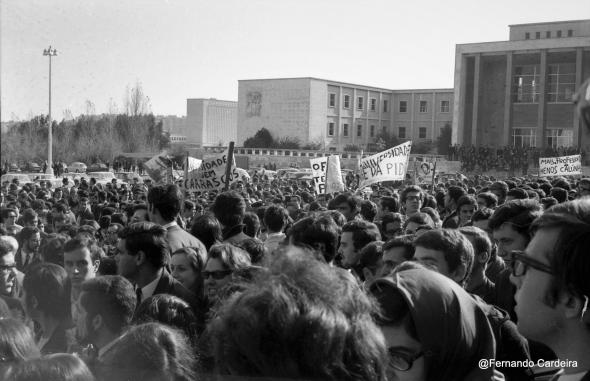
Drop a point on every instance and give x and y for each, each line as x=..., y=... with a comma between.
x=50, y=52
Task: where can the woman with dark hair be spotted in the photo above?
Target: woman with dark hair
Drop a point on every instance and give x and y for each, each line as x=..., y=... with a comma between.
x=56, y=367
x=170, y=310
x=149, y=352
x=222, y=261
x=207, y=229
x=434, y=330
x=16, y=342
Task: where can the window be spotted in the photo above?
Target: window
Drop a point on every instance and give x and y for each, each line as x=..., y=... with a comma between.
x=527, y=36
x=422, y=133
x=561, y=82
x=548, y=34
x=525, y=84
x=524, y=137
x=347, y=101
x=385, y=104
x=423, y=106
x=331, y=129
x=401, y=132
x=384, y=129
x=537, y=35
x=560, y=137
x=558, y=33
x=373, y=104
x=444, y=106
x=359, y=103
x=570, y=33
x=372, y=131
x=403, y=106
x=359, y=130
x=345, y=129
x=332, y=101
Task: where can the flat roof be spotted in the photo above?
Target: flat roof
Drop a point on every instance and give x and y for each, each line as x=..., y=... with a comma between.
x=552, y=22
x=347, y=84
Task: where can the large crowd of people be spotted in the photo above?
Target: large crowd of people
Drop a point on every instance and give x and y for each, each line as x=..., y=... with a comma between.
x=476, y=278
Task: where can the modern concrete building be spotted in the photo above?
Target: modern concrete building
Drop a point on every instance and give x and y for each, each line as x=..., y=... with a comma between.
x=337, y=114
x=175, y=125
x=210, y=122
x=518, y=92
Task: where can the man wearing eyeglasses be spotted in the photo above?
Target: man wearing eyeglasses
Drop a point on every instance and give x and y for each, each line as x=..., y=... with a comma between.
x=553, y=286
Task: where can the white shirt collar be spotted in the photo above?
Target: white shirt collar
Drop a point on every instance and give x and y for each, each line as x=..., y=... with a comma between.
x=101, y=351
x=170, y=224
x=148, y=289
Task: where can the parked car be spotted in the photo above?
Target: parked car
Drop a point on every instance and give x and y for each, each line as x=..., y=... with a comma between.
x=22, y=178
x=33, y=167
x=128, y=177
x=97, y=167
x=104, y=177
x=13, y=168
x=78, y=167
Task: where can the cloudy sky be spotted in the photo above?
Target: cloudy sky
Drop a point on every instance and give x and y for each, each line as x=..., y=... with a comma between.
x=179, y=49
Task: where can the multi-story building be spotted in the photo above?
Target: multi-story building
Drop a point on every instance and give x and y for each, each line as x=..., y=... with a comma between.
x=174, y=125
x=519, y=92
x=337, y=114
x=210, y=122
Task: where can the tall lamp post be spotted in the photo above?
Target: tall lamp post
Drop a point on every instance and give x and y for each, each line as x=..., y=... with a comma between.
x=50, y=52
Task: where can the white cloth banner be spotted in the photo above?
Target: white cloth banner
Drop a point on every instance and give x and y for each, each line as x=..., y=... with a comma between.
x=334, y=181
x=157, y=166
x=194, y=163
x=318, y=173
x=389, y=165
x=560, y=166
x=211, y=174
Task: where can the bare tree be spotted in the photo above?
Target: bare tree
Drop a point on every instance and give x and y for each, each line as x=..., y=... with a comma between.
x=136, y=102
x=89, y=107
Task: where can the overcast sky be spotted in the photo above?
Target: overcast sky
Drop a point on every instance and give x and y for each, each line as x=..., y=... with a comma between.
x=181, y=49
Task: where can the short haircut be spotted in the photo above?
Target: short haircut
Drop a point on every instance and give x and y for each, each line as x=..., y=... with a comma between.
x=232, y=257
x=490, y=199
x=149, y=238
x=388, y=218
x=501, y=187
x=251, y=224
x=405, y=241
x=481, y=240
x=482, y=214
x=83, y=241
x=517, y=194
x=455, y=247
x=371, y=255
x=420, y=219
x=27, y=232
x=368, y=210
x=56, y=366
x=559, y=194
x=229, y=208
x=256, y=249
x=47, y=283
x=548, y=202
x=111, y=296
x=166, y=199
x=353, y=202
x=520, y=214
x=391, y=203
x=363, y=233
x=275, y=218
x=466, y=200
x=569, y=257
x=8, y=244
x=317, y=232
x=28, y=215
x=207, y=229
x=411, y=188
x=336, y=216
x=455, y=193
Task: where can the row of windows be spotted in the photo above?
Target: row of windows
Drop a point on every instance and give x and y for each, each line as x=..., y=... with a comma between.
x=561, y=82
x=422, y=131
x=403, y=105
x=555, y=137
x=558, y=34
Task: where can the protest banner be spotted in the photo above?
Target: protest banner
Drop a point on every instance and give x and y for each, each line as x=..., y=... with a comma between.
x=193, y=163
x=334, y=181
x=389, y=165
x=318, y=173
x=157, y=167
x=560, y=166
x=211, y=174
x=424, y=172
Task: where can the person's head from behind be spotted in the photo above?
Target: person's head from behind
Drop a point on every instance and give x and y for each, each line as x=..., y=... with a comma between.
x=207, y=229
x=551, y=275
x=258, y=252
x=500, y=189
x=396, y=251
x=251, y=224
x=59, y=366
x=482, y=247
x=170, y=310
x=17, y=342
x=82, y=257
x=186, y=266
x=559, y=194
x=318, y=232
x=106, y=308
x=391, y=225
x=142, y=246
x=149, y=352
x=371, y=258
x=45, y=293
x=516, y=194
x=355, y=235
x=368, y=210
x=164, y=202
x=275, y=218
x=417, y=304
x=415, y=220
x=388, y=204
x=229, y=209
x=487, y=200
x=223, y=260
x=299, y=292
x=510, y=225
x=481, y=219
x=8, y=248
x=446, y=251
x=548, y=202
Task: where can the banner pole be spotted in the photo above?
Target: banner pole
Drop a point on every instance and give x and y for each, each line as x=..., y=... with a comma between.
x=230, y=160
x=326, y=174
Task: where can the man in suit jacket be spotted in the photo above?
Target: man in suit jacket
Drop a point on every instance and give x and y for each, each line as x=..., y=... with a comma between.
x=142, y=256
x=29, y=252
x=164, y=205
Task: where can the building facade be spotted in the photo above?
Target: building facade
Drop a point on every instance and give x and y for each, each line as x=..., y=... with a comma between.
x=519, y=92
x=210, y=122
x=337, y=114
